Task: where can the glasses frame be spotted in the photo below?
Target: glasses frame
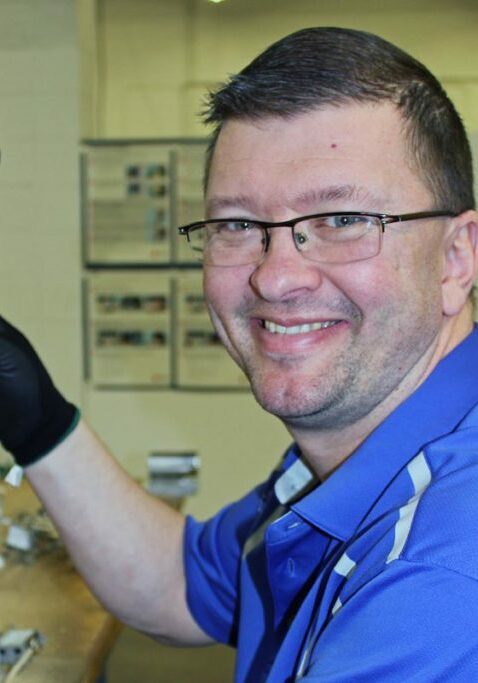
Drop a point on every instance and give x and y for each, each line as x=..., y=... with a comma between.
x=384, y=218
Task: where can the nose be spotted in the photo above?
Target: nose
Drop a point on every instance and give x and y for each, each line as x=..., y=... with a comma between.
x=284, y=273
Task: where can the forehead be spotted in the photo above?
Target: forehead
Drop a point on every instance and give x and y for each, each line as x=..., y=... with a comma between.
x=276, y=161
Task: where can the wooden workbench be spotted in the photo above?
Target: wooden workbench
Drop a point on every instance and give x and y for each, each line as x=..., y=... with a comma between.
x=50, y=596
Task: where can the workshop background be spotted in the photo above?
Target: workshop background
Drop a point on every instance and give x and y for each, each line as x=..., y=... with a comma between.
x=117, y=69
x=120, y=69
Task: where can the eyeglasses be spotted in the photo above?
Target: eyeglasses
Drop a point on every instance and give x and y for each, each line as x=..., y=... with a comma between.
x=322, y=237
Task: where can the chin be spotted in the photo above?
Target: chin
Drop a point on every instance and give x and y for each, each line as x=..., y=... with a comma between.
x=286, y=402
x=298, y=402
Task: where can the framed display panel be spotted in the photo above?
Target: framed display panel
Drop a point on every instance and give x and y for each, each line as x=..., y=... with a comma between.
x=134, y=195
x=200, y=358
x=129, y=329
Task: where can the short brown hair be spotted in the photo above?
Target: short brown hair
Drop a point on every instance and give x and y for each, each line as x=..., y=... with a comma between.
x=317, y=67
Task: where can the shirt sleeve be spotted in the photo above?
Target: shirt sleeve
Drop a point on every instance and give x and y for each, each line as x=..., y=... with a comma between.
x=412, y=622
x=212, y=559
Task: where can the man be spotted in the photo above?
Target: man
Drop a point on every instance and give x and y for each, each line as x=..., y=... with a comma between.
x=340, y=251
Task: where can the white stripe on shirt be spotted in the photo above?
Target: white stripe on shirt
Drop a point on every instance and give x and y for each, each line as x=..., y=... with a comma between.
x=420, y=475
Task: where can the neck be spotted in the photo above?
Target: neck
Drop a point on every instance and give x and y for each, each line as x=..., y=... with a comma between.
x=325, y=450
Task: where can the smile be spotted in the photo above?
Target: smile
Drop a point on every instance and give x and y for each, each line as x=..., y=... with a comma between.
x=296, y=329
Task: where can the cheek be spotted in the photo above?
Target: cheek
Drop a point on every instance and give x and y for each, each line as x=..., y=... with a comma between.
x=225, y=290
x=216, y=290
x=370, y=282
x=225, y=297
x=406, y=285
x=382, y=288
x=213, y=301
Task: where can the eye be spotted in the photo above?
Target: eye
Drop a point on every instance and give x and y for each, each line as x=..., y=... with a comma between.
x=339, y=227
x=235, y=226
x=339, y=221
x=346, y=221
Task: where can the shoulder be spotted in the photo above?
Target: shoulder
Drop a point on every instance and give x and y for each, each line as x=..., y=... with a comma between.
x=443, y=532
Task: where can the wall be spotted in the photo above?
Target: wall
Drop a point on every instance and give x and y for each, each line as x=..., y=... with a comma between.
x=145, y=67
x=154, y=61
x=39, y=130
x=157, y=57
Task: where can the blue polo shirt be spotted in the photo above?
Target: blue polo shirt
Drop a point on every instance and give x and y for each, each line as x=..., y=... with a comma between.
x=371, y=575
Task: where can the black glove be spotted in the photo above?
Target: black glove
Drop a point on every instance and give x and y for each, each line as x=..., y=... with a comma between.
x=34, y=416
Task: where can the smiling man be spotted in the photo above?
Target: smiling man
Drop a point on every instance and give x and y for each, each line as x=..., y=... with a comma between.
x=340, y=251
x=332, y=346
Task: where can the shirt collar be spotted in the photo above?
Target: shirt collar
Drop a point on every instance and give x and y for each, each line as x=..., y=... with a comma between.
x=436, y=408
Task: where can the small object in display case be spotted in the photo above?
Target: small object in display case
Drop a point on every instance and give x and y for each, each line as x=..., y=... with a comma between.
x=201, y=338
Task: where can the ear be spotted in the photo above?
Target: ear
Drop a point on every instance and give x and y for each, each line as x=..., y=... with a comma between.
x=460, y=246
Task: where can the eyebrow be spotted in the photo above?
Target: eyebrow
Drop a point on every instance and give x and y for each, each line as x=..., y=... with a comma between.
x=357, y=194
x=303, y=201
x=241, y=201
x=333, y=193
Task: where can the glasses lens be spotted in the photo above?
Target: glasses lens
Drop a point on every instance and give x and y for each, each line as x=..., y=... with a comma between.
x=340, y=238
x=227, y=243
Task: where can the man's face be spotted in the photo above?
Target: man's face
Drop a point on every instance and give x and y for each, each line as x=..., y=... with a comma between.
x=370, y=324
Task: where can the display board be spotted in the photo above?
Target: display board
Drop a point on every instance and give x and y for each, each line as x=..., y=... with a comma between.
x=151, y=330
x=201, y=359
x=129, y=329
x=145, y=318
x=134, y=195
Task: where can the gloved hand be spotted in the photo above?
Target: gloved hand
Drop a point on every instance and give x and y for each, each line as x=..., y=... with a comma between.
x=34, y=416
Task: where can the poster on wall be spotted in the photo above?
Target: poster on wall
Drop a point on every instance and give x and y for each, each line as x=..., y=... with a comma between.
x=127, y=205
x=129, y=329
x=135, y=194
x=201, y=360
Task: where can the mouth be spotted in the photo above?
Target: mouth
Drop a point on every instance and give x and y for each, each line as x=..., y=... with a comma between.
x=304, y=328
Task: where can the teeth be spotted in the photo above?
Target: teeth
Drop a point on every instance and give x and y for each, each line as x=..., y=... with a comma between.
x=296, y=329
